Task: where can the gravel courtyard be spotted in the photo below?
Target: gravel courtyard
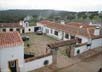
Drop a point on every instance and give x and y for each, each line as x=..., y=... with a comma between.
x=38, y=44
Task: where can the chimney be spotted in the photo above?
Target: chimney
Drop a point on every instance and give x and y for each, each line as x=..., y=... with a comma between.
x=21, y=23
x=97, y=31
x=62, y=22
x=90, y=23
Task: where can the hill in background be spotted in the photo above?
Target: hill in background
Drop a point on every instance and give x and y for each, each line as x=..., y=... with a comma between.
x=17, y=15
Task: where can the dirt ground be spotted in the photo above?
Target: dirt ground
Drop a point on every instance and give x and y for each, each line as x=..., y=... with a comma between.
x=38, y=44
x=88, y=65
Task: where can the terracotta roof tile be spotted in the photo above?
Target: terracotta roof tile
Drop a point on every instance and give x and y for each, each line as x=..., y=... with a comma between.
x=72, y=28
x=8, y=39
x=10, y=25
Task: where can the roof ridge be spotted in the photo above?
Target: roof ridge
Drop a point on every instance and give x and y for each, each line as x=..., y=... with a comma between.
x=9, y=39
x=88, y=32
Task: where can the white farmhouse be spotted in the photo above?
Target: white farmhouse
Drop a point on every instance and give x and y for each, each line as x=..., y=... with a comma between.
x=88, y=36
x=11, y=52
x=12, y=57
x=21, y=27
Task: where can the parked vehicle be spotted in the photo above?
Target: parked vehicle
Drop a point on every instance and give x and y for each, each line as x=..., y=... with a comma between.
x=39, y=32
x=25, y=38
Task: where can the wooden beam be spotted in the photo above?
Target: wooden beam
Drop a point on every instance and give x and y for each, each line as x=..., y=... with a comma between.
x=62, y=43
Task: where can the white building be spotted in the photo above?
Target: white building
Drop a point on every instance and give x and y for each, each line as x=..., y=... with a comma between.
x=21, y=27
x=11, y=52
x=12, y=55
x=88, y=35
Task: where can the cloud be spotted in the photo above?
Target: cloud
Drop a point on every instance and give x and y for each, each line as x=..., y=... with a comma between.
x=69, y=5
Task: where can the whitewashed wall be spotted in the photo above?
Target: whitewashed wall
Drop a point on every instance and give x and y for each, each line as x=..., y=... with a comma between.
x=96, y=43
x=60, y=34
x=84, y=39
x=11, y=53
x=81, y=48
x=8, y=29
x=66, y=38
x=27, y=29
x=38, y=63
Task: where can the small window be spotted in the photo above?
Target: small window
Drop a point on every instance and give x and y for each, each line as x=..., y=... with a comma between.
x=11, y=29
x=51, y=31
x=66, y=36
x=78, y=51
x=46, y=62
x=79, y=40
x=88, y=45
x=72, y=37
x=56, y=33
x=4, y=30
x=29, y=29
x=47, y=30
x=18, y=30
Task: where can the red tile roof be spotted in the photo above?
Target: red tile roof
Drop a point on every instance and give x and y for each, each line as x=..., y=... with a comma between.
x=10, y=25
x=73, y=28
x=78, y=24
x=9, y=39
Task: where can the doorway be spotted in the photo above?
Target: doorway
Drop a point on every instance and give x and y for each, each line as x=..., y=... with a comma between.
x=23, y=31
x=13, y=66
x=36, y=29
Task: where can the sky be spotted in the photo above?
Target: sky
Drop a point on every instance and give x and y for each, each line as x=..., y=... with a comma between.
x=66, y=5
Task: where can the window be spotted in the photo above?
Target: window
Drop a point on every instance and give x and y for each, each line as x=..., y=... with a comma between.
x=56, y=33
x=88, y=45
x=18, y=30
x=79, y=40
x=29, y=29
x=4, y=30
x=78, y=51
x=11, y=29
x=47, y=30
x=51, y=31
x=72, y=37
x=66, y=36
x=46, y=62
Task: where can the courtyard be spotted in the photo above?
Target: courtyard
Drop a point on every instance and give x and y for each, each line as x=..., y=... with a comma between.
x=38, y=45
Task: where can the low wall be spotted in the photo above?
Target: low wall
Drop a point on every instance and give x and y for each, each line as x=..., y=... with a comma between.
x=82, y=49
x=29, y=29
x=38, y=63
x=96, y=43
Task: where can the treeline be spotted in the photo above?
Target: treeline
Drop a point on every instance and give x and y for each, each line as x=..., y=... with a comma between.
x=16, y=15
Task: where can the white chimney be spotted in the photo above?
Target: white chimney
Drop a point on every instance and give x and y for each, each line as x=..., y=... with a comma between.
x=21, y=22
x=62, y=22
x=90, y=23
x=97, y=31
